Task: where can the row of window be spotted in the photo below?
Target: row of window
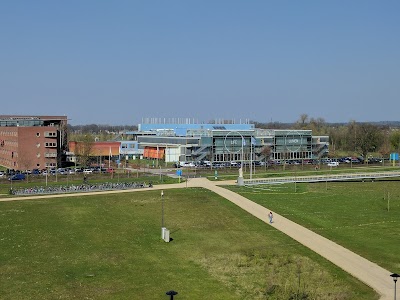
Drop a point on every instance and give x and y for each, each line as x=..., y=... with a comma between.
x=292, y=155
x=126, y=146
x=8, y=133
x=48, y=134
x=4, y=152
x=50, y=144
x=4, y=143
x=13, y=164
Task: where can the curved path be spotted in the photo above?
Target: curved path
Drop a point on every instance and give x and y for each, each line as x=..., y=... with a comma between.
x=370, y=273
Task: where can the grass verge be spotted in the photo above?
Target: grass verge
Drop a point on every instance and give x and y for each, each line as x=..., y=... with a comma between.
x=361, y=216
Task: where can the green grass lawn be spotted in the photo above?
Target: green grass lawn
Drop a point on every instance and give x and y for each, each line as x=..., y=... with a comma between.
x=362, y=216
x=109, y=247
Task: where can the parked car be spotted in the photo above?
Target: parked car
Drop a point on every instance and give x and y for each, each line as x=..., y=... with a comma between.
x=87, y=171
x=17, y=177
x=2, y=174
x=186, y=164
x=61, y=171
x=333, y=164
x=35, y=172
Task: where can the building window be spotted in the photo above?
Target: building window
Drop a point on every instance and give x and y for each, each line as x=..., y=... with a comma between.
x=37, y=145
x=37, y=155
x=37, y=134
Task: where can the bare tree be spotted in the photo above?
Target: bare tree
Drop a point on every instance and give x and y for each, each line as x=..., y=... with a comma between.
x=301, y=123
x=84, y=148
x=24, y=163
x=317, y=126
x=369, y=138
x=266, y=151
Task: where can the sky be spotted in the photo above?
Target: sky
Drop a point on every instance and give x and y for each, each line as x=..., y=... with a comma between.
x=117, y=62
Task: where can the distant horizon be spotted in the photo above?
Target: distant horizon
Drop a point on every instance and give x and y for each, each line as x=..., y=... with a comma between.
x=250, y=122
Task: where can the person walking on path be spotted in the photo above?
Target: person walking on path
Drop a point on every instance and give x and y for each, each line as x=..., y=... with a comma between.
x=270, y=215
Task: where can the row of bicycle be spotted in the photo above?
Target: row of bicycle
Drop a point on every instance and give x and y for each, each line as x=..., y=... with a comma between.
x=85, y=187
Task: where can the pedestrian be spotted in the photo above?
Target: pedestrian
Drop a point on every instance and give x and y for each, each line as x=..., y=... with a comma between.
x=270, y=215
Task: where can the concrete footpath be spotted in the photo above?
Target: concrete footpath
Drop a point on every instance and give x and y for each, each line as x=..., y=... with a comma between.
x=370, y=273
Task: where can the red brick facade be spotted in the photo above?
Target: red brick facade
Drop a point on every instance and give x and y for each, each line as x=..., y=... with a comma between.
x=24, y=147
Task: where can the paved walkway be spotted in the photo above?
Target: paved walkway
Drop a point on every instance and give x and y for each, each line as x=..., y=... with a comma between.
x=370, y=273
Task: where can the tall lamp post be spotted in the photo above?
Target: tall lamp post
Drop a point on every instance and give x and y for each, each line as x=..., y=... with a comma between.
x=395, y=276
x=162, y=211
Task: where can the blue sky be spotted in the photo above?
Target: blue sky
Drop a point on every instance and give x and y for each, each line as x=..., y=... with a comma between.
x=116, y=62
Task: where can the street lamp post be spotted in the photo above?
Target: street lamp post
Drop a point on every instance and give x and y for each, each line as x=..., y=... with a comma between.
x=395, y=276
x=162, y=209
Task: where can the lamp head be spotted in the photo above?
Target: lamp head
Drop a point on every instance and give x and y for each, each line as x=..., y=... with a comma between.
x=171, y=293
x=395, y=276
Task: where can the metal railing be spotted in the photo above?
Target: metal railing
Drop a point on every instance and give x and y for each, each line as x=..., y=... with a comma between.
x=322, y=178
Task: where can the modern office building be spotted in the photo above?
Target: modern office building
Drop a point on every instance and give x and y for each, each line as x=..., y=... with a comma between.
x=224, y=142
x=32, y=142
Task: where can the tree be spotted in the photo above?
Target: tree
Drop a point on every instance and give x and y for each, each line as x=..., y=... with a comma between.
x=24, y=163
x=395, y=141
x=266, y=151
x=351, y=136
x=84, y=148
x=369, y=138
x=302, y=122
x=318, y=126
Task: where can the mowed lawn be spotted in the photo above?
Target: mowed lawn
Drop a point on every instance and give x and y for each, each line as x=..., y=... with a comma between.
x=109, y=247
x=362, y=216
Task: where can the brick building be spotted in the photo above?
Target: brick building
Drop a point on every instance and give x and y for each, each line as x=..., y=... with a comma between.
x=32, y=142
